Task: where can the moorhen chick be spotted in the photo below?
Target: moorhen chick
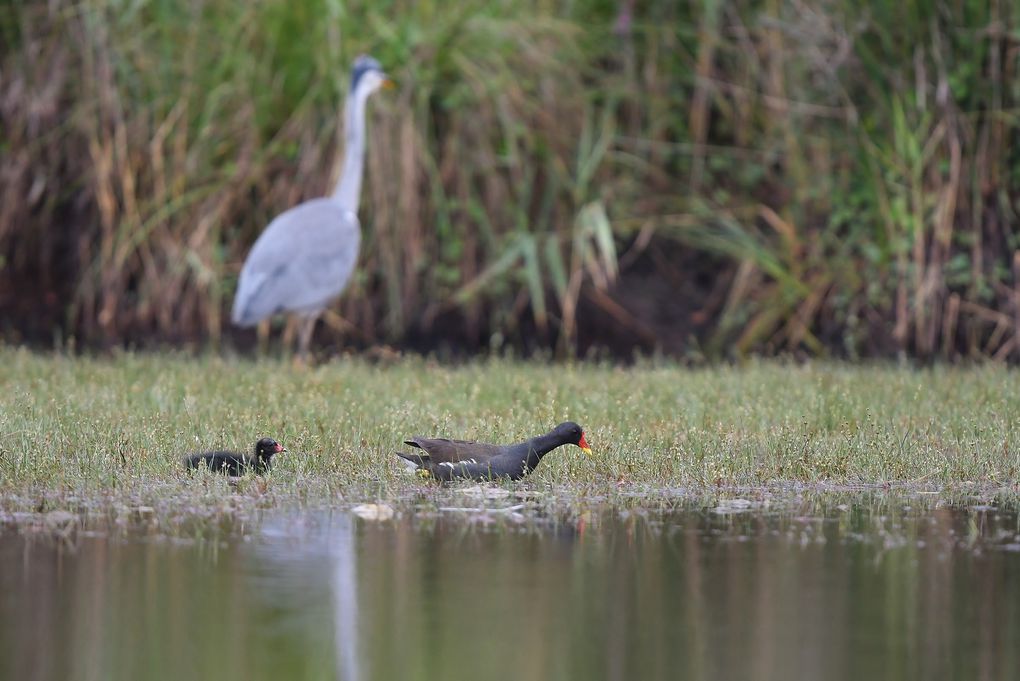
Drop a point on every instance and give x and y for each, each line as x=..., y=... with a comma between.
x=234, y=463
x=452, y=459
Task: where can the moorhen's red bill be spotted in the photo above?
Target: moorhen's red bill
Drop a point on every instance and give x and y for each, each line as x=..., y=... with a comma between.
x=234, y=463
x=451, y=459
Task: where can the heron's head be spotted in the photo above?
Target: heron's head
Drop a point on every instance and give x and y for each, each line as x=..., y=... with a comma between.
x=266, y=447
x=367, y=76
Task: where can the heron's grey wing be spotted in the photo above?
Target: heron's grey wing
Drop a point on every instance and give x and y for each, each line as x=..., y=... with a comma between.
x=300, y=263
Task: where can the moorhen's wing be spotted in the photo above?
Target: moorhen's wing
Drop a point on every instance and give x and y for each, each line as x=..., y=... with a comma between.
x=505, y=466
x=440, y=450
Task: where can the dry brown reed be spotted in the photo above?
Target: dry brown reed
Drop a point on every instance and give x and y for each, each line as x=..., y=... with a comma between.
x=803, y=177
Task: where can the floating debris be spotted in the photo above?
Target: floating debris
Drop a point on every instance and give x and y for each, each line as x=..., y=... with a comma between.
x=373, y=511
x=483, y=492
x=459, y=509
x=60, y=520
x=733, y=506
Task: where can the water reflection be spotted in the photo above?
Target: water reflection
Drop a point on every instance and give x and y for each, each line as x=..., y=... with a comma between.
x=865, y=590
x=345, y=598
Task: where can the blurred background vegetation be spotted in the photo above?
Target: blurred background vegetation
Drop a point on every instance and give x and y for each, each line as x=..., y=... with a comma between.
x=709, y=179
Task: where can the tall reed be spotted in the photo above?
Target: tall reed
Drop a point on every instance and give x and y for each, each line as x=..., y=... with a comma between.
x=724, y=177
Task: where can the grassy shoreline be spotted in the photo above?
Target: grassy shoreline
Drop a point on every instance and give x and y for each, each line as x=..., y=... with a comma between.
x=106, y=436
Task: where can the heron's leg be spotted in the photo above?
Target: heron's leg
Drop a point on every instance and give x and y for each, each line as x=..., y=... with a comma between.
x=305, y=336
x=287, y=339
x=262, y=333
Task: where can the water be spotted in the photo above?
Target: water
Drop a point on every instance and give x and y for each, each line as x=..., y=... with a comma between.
x=873, y=589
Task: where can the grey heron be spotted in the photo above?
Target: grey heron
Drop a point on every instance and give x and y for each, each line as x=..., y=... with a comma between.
x=305, y=257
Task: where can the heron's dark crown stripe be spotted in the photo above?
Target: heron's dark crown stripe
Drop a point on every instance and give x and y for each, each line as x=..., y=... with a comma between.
x=363, y=65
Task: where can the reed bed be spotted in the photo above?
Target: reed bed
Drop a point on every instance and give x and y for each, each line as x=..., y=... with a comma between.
x=709, y=179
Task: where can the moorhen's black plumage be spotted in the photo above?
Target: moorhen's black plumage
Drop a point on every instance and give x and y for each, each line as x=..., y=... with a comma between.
x=450, y=459
x=234, y=463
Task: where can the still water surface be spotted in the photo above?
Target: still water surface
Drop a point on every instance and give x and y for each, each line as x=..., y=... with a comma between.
x=866, y=590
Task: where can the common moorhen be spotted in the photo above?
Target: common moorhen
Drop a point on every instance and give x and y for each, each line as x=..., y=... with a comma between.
x=234, y=463
x=450, y=459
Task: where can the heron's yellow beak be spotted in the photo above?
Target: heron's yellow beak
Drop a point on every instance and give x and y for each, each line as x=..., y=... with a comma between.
x=583, y=444
x=389, y=84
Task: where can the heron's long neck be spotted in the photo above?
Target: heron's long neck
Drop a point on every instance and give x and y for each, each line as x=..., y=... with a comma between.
x=348, y=189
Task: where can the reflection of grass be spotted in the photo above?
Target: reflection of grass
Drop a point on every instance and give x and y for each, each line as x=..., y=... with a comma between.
x=116, y=429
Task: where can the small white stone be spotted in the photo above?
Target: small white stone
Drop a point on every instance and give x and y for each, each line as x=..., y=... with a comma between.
x=373, y=511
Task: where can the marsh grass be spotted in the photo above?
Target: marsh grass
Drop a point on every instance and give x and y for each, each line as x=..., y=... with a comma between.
x=106, y=436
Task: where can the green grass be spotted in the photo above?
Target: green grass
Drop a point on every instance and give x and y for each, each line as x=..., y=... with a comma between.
x=106, y=436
